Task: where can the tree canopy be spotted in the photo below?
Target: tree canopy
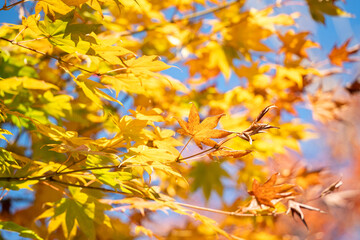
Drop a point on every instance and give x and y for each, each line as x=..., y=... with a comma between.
x=115, y=112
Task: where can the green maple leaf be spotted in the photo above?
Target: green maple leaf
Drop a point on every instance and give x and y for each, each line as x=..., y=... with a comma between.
x=208, y=177
x=319, y=8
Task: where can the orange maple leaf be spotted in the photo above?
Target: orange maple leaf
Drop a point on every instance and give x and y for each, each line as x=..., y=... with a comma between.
x=202, y=132
x=296, y=43
x=339, y=55
x=265, y=193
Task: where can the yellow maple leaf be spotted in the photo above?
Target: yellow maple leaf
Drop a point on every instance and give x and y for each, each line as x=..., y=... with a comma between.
x=51, y=6
x=74, y=2
x=92, y=90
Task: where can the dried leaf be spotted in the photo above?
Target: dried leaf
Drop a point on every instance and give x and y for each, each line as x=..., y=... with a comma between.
x=230, y=153
x=326, y=106
x=331, y=188
x=263, y=112
x=340, y=199
x=354, y=87
x=295, y=207
x=257, y=127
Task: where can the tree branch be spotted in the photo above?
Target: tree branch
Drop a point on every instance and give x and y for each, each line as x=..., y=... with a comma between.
x=236, y=214
x=255, y=128
x=87, y=187
x=8, y=7
x=186, y=17
x=46, y=177
x=48, y=55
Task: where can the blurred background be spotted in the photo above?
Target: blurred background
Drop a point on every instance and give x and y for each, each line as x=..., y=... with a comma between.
x=334, y=146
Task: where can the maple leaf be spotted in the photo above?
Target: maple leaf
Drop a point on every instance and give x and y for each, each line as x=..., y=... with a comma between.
x=207, y=176
x=327, y=106
x=306, y=178
x=23, y=232
x=268, y=191
x=319, y=8
x=74, y=2
x=296, y=43
x=202, y=132
x=4, y=131
x=341, y=199
x=295, y=207
x=341, y=54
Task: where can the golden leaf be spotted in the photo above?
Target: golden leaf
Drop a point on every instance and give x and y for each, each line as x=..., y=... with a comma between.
x=202, y=132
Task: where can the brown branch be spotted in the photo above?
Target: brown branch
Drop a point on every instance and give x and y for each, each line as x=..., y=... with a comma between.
x=46, y=177
x=52, y=179
x=88, y=187
x=212, y=149
x=48, y=55
x=236, y=214
x=8, y=7
x=208, y=11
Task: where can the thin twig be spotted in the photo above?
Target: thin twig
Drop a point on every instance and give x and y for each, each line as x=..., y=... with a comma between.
x=226, y=212
x=212, y=149
x=178, y=157
x=48, y=55
x=87, y=187
x=46, y=177
x=30, y=40
x=207, y=11
x=184, y=18
x=8, y=7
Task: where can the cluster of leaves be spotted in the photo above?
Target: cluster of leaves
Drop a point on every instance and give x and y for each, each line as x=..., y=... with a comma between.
x=81, y=81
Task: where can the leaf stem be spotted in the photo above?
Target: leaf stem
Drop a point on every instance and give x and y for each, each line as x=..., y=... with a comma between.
x=187, y=143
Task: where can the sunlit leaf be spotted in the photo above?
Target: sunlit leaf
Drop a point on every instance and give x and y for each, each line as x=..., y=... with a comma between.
x=23, y=232
x=318, y=10
x=265, y=193
x=202, y=132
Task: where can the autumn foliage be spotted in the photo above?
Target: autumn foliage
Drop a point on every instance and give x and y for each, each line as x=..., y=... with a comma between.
x=115, y=112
